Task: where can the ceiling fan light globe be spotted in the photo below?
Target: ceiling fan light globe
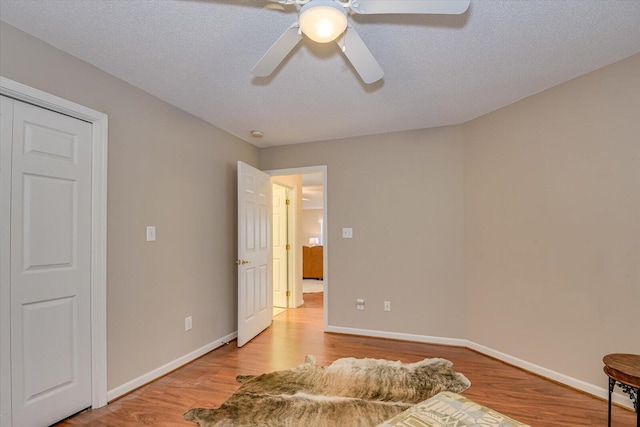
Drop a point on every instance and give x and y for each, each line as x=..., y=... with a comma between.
x=322, y=21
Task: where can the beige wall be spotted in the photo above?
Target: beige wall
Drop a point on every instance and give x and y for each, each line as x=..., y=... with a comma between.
x=168, y=169
x=403, y=195
x=552, y=224
x=311, y=224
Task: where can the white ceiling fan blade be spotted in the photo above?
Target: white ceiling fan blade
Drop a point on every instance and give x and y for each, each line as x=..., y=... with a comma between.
x=274, y=6
x=360, y=56
x=283, y=1
x=276, y=53
x=448, y=7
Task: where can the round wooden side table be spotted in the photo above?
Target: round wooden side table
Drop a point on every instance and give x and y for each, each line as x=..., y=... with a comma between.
x=624, y=369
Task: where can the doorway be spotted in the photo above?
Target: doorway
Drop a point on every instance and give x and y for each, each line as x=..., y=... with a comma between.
x=306, y=184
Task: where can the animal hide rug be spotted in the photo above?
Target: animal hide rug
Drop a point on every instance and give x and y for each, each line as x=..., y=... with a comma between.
x=350, y=392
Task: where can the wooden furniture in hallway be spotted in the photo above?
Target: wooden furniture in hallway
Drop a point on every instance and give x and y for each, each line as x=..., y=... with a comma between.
x=312, y=262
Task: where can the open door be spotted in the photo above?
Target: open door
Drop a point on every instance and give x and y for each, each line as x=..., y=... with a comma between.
x=255, y=286
x=281, y=246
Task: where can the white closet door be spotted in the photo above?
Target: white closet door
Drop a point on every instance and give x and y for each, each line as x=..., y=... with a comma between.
x=50, y=266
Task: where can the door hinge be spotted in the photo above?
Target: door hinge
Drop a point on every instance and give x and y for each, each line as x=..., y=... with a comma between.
x=288, y=202
x=288, y=293
x=288, y=247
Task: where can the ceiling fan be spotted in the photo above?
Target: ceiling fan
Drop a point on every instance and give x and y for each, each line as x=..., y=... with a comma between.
x=324, y=21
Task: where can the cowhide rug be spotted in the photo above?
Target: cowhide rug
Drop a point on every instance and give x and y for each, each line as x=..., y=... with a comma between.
x=349, y=392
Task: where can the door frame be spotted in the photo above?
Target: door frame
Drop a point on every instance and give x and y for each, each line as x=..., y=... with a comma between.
x=99, y=121
x=325, y=235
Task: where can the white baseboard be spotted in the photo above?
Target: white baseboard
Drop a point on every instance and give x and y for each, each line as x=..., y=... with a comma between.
x=165, y=369
x=592, y=389
x=586, y=387
x=397, y=336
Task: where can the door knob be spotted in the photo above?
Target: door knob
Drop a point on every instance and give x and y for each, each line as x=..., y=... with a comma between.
x=242, y=262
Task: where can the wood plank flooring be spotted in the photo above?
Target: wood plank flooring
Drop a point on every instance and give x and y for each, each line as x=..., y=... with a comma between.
x=210, y=380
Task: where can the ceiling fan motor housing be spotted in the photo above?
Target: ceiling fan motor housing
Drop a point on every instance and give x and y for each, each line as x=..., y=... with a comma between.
x=322, y=20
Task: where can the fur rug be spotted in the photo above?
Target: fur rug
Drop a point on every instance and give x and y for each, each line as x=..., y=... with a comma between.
x=349, y=392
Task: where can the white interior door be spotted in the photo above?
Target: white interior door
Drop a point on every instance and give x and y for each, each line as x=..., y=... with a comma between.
x=281, y=246
x=50, y=266
x=255, y=287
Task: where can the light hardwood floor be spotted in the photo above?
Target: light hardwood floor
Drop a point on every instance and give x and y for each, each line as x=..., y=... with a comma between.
x=210, y=380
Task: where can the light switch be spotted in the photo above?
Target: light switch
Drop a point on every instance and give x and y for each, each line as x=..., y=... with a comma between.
x=151, y=233
x=347, y=233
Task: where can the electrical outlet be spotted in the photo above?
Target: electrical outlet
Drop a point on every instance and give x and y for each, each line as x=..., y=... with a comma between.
x=188, y=323
x=360, y=304
x=347, y=233
x=387, y=306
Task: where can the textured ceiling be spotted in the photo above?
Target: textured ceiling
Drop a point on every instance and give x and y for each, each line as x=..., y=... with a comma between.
x=439, y=70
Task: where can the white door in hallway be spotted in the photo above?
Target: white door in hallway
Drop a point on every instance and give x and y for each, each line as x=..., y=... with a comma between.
x=255, y=286
x=281, y=247
x=50, y=270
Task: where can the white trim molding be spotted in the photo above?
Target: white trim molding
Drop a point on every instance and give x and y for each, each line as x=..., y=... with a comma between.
x=398, y=336
x=6, y=115
x=99, y=121
x=575, y=383
x=584, y=386
x=167, y=368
